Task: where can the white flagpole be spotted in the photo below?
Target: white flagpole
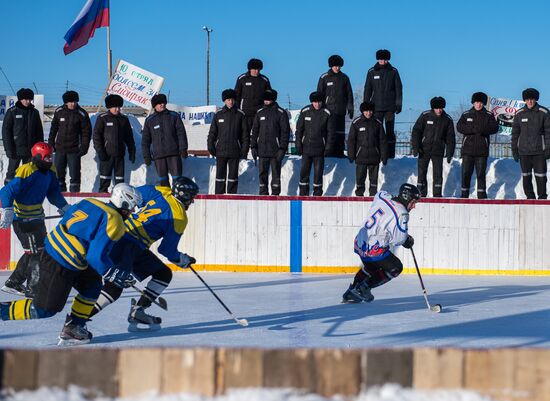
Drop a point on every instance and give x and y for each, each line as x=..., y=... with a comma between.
x=109, y=52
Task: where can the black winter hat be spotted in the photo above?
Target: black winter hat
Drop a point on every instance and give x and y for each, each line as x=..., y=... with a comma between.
x=25, y=93
x=529, y=93
x=228, y=94
x=438, y=103
x=159, y=98
x=366, y=106
x=335, y=61
x=113, y=101
x=383, y=54
x=70, y=96
x=316, y=97
x=270, y=94
x=255, y=64
x=479, y=97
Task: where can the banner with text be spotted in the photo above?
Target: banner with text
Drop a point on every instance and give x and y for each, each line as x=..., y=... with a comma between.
x=504, y=111
x=8, y=101
x=200, y=115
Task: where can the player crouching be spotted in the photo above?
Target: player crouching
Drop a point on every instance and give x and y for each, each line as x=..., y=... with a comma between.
x=386, y=226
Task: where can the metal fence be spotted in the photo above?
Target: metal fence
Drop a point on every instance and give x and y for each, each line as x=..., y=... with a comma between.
x=496, y=150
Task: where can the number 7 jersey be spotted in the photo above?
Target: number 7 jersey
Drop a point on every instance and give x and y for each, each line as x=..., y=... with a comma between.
x=386, y=226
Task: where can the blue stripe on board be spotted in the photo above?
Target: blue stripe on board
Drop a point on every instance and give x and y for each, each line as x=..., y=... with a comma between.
x=295, y=236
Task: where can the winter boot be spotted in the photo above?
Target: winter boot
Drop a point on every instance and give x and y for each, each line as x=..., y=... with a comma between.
x=140, y=321
x=12, y=287
x=73, y=334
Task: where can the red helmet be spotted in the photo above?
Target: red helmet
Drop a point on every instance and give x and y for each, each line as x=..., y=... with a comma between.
x=42, y=151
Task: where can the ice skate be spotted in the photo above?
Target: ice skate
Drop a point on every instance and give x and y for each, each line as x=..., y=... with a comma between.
x=13, y=288
x=351, y=296
x=73, y=334
x=139, y=321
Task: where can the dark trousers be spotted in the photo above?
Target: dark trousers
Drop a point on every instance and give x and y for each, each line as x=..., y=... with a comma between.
x=468, y=164
x=31, y=235
x=227, y=169
x=249, y=120
x=536, y=163
x=265, y=163
x=339, y=145
x=437, y=169
x=170, y=164
x=388, y=118
x=361, y=176
x=106, y=169
x=73, y=161
x=318, y=169
x=12, y=166
x=378, y=272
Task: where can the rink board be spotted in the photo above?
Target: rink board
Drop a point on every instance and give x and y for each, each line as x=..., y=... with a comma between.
x=315, y=235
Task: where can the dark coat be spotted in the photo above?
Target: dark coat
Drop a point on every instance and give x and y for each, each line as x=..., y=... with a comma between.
x=315, y=132
x=337, y=92
x=228, y=136
x=112, y=134
x=477, y=127
x=531, y=132
x=433, y=135
x=71, y=130
x=270, y=131
x=163, y=135
x=250, y=92
x=367, y=141
x=383, y=87
x=21, y=129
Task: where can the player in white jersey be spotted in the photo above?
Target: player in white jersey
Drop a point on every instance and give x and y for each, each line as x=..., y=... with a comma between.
x=386, y=226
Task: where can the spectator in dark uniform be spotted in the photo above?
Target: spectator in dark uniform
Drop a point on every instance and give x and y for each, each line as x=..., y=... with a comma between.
x=477, y=125
x=367, y=147
x=383, y=87
x=164, y=140
x=112, y=134
x=335, y=87
x=433, y=137
x=70, y=136
x=314, y=139
x=531, y=143
x=21, y=129
x=228, y=141
x=269, y=141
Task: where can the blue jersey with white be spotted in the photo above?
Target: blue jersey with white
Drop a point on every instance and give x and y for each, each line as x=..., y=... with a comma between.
x=162, y=216
x=27, y=191
x=85, y=236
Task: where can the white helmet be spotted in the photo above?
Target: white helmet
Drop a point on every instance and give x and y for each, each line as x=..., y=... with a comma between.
x=126, y=197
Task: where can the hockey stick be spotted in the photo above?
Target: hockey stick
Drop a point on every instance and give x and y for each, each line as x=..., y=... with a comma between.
x=58, y=216
x=437, y=307
x=160, y=301
x=242, y=322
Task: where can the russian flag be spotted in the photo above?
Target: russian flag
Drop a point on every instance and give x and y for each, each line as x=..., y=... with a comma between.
x=94, y=14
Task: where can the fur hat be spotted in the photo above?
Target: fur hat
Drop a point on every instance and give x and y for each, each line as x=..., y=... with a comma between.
x=366, y=106
x=158, y=99
x=335, y=61
x=255, y=64
x=438, y=103
x=25, y=93
x=529, y=93
x=383, y=54
x=270, y=94
x=70, y=96
x=316, y=97
x=228, y=94
x=479, y=97
x=113, y=101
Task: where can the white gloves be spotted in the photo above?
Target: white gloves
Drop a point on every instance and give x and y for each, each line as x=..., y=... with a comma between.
x=64, y=209
x=185, y=261
x=6, y=217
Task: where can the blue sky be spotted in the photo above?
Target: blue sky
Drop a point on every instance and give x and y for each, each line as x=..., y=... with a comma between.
x=440, y=48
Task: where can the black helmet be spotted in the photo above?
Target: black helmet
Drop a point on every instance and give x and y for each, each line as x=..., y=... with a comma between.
x=407, y=193
x=184, y=189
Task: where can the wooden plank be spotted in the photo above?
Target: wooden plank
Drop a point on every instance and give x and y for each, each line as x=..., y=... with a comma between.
x=330, y=365
x=139, y=371
x=20, y=368
x=382, y=366
x=188, y=370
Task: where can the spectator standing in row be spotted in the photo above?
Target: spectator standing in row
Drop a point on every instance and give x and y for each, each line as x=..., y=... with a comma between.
x=383, y=87
x=269, y=142
x=164, y=140
x=367, y=147
x=70, y=135
x=228, y=141
x=21, y=129
x=314, y=140
x=335, y=87
x=433, y=137
x=112, y=135
x=477, y=125
x=531, y=143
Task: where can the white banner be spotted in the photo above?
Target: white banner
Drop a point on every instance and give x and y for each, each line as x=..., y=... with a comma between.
x=504, y=111
x=8, y=101
x=134, y=84
x=200, y=115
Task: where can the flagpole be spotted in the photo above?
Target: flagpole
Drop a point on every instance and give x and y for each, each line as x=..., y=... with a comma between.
x=109, y=52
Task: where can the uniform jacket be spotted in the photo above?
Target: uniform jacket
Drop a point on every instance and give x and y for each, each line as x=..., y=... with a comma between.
x=21, y=129
x=112, y=134
x=477, y=127
x=70, y=131
x=163, y=135
x=228, y=136
x=367, y=141
x=250, y=92
x=383, y=87
x=433, y=135
x=337, y=92
x=314, y=131
x=531, y=131
x=270, y=131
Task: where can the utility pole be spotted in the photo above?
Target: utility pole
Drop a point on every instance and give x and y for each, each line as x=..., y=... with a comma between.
x=208, y=32
x=9, y=83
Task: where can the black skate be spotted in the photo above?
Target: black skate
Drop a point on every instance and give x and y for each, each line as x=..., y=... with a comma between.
x=139, y=321
x=73, y=334
x=13, y=288
x=357, y=294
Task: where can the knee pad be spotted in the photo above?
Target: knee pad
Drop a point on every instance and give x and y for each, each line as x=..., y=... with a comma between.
x=111, y=291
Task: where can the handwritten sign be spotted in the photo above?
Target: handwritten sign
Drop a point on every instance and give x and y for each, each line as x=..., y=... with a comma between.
x=504, y=110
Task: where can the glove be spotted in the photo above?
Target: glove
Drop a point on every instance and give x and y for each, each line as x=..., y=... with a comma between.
x=350, y=113
x=351, y=159
x=398, y=109
x=244, y=154
x=184, y=154
x=6, y=217
x=132, y=157
x=449, y=159
x=254, y=152
x=82, y=151
x=120, y=278
x=328, y=151
x=409, y=242
x=385, y=161
x=280, y=155
x=415, y=152
x=547, y=153
x=516, y=157
x=11, y=155
x=102, y=156
x=185, y=261
x=147, y=160
x=299, y=150
x=212, y=151
x=64, y=209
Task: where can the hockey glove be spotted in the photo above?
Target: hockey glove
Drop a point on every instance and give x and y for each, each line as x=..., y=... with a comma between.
x=185, y=261
x=280, y=155
x=409, y=242
x=6, y=217
x=64, y=209
x=254, y=152
x=120, y=278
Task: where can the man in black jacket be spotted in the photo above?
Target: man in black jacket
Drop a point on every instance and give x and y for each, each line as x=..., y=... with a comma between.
x=228, y=141
x=531, y=143
x=164, y=140
x=433, y=137
x=269, y=141
x=314, y=139
x=70, y=136
x=21, y=129
x=383, y=87
x=112, y=134
x=367, y=146
x=477, y=125
x=335, y=88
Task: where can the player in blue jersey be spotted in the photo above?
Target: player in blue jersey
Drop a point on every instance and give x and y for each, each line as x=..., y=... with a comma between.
x=21, y=204
x=162, y=216
x=76, y=255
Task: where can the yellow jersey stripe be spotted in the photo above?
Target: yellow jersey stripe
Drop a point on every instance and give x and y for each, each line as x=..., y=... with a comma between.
x=136, y=229
x=57, y=242
x=115, y=225
x=78, y=248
